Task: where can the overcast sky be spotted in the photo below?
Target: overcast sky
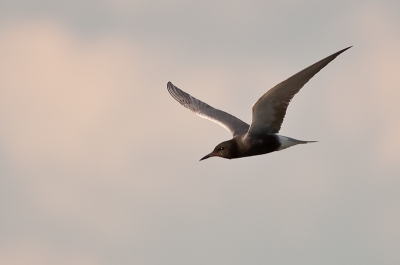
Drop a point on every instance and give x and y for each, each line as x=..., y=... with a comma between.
x=99, y=164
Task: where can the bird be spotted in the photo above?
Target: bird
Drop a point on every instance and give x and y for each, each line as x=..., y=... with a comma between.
x=261, y=136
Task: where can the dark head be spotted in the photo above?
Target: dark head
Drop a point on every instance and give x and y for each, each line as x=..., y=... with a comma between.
x=227, y=149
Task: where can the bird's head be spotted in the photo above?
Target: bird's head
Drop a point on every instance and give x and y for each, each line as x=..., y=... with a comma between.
x=227, y=149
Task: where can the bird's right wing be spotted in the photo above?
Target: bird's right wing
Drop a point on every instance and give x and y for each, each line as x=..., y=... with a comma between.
x=226, y=120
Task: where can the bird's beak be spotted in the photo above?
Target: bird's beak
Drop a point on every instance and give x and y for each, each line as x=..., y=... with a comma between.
x=207, y=156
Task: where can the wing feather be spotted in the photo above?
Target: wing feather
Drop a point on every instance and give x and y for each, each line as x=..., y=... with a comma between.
x=226, y=120
x=269, y=111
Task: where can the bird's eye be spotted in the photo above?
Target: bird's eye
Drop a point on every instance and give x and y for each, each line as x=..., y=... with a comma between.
x=221, y=148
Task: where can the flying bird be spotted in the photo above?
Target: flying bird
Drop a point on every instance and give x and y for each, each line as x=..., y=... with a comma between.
x=261, y=136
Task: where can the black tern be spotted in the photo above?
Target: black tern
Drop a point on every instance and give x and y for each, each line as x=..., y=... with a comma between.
x=268, y=112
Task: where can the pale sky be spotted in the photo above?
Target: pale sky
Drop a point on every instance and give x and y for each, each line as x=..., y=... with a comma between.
x=99, y=164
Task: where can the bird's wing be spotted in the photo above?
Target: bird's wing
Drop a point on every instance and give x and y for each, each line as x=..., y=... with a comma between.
x=270, y=109
x=226, y=120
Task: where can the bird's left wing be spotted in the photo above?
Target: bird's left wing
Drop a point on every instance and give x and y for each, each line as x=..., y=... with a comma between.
x=226, y=120
x=270, y=109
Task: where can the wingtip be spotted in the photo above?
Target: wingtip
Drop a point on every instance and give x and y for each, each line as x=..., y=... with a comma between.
x=333, y=56
x=345, y=49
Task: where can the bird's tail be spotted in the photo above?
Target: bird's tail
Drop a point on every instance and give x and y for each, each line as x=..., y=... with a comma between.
x=288, y=142
x=306, y=142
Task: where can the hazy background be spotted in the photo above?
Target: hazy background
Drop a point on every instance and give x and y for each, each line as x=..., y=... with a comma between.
x=99, y=165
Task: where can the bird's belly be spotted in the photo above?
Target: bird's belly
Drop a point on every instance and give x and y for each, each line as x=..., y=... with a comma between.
x=262, y=145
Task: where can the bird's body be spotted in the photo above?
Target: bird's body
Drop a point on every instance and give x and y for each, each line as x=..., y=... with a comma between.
x=258, y=146
x=242, y=146
x=268, y=112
